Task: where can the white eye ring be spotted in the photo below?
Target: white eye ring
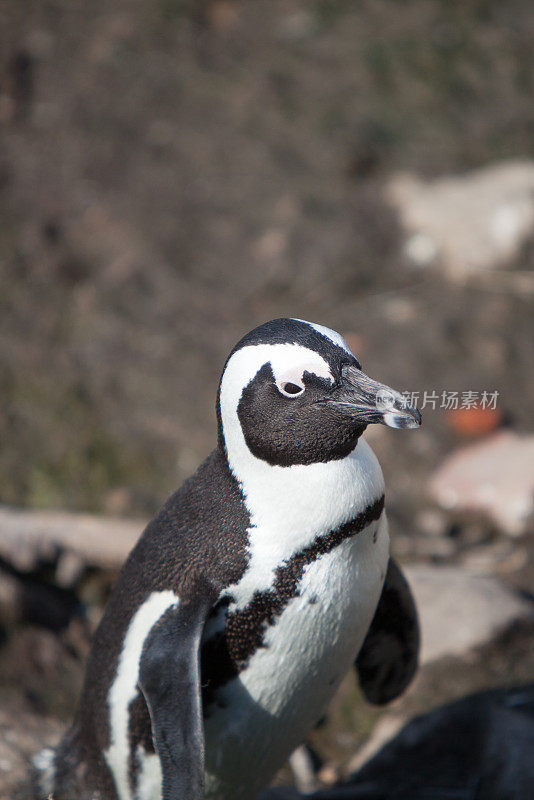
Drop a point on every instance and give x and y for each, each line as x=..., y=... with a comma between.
x=290, y=389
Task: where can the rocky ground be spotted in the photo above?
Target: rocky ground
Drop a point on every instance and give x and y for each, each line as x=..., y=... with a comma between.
x=172, y=174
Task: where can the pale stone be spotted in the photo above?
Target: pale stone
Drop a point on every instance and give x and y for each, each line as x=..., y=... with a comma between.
x=459, y=610
x=493, y=478
x=470, y=222
x=28, y=536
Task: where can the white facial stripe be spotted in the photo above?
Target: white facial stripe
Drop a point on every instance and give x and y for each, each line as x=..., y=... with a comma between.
x=124, y=688
x=285, y=359
x=316, y=366
x=334, y=336
x=295, y=373
x=243, y=366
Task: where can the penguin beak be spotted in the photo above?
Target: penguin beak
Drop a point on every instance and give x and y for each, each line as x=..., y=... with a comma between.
x=368, y=401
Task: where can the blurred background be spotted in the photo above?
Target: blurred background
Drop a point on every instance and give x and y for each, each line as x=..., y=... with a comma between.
x=176, y=172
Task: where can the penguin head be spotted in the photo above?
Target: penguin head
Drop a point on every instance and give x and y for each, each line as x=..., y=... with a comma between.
x=292, y=392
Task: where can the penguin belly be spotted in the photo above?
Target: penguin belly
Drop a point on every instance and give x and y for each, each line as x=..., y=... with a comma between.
x=259, y=717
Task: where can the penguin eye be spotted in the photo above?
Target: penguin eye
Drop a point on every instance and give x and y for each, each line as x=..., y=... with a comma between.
x=290, y=389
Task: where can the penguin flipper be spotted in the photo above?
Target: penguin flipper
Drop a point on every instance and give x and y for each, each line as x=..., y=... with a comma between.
x=169, y=678
x=388, y=657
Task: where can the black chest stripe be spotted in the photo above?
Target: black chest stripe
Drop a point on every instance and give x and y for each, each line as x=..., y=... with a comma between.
x=227, y=653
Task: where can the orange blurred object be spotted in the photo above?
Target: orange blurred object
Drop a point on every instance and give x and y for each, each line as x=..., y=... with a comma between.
x=474, y=421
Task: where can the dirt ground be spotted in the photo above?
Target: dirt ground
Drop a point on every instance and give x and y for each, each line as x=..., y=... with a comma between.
x=173, y=173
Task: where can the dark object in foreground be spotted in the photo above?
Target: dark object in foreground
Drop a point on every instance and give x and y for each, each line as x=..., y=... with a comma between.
x=479, y=748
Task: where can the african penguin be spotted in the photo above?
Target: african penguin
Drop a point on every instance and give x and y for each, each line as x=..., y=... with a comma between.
x=252, y=592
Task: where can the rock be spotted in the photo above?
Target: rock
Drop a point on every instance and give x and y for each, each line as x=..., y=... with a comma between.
x=27, y=537
x=459, y=611
x=498, y=558
x=493, y=478
x=472, y=222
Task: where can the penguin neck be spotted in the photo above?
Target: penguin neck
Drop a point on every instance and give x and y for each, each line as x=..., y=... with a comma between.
x=300, y=501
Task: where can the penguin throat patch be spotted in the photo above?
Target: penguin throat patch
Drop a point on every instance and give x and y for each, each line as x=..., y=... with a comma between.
x=227, y=653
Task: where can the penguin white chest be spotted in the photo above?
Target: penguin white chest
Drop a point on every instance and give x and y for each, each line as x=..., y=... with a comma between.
x=315, y=602
x=290, y=679
x=310, y=647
